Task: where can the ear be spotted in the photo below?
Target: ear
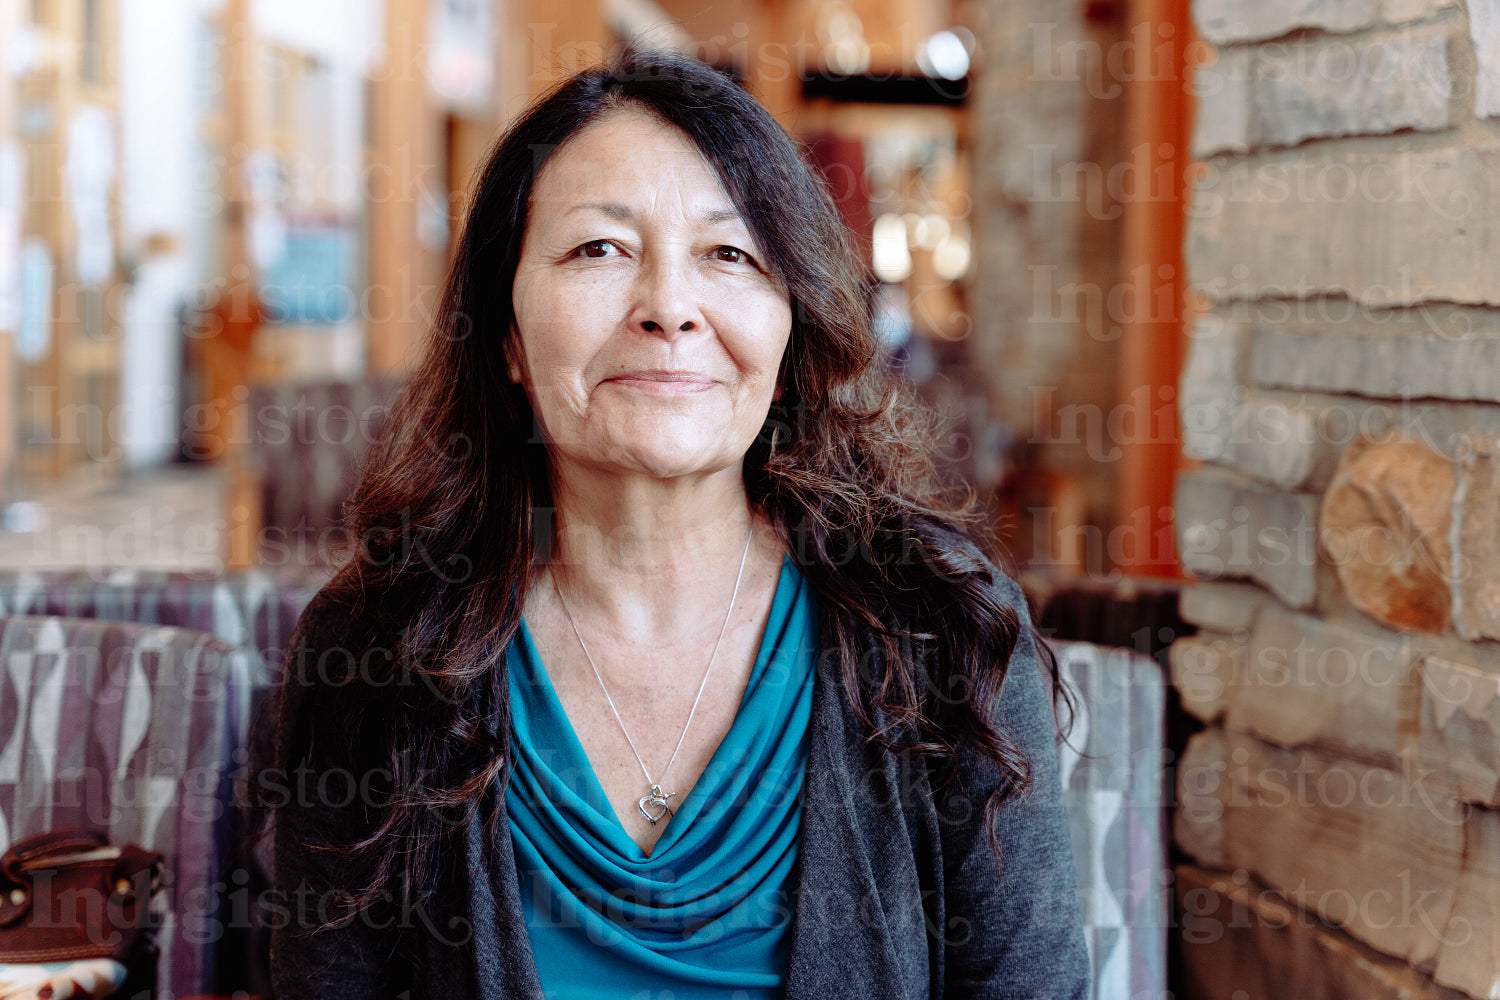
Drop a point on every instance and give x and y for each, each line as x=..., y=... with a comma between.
x=783, y=374
x=513, y=357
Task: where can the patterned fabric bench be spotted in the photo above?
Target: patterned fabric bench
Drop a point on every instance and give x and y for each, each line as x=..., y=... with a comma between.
x=1113, y=795
x=253, y=609
x=131, y=730
x=1112, y=769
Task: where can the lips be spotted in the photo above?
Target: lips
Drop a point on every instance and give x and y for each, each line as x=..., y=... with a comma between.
x=659, y=381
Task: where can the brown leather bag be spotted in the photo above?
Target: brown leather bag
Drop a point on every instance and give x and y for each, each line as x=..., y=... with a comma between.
x=68, y=895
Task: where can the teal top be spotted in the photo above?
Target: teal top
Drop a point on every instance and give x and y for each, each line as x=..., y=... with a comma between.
x=709, y=913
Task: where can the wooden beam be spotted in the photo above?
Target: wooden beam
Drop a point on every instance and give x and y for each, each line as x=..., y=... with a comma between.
x=405, y=160
x=1159, y=114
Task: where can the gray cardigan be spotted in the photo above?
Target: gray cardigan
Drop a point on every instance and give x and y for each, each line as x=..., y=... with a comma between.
x=897, y=893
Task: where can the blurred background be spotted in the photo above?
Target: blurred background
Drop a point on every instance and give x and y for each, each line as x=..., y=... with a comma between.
x=224, y=225
x=1208, y=291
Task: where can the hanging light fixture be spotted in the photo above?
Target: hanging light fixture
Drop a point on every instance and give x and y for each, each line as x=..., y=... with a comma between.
x=945, y=55
x=951, y=257
x=890, y=256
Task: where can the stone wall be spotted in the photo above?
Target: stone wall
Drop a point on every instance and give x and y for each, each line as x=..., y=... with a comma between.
x=1342, y=393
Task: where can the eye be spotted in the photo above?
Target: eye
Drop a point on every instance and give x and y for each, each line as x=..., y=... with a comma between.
x=732, y=255
x=594, y=249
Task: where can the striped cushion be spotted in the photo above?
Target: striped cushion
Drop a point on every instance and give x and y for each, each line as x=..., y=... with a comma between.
x=255, y=609
x=130, y=730
x=1111, y=770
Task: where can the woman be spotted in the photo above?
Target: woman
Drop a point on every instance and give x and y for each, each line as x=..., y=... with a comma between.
x=663, y=670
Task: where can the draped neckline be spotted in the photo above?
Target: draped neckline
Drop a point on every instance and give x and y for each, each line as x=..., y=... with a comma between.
x=708, y=908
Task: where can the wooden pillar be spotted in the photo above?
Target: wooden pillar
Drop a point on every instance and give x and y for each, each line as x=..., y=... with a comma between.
x=225, y=345
x=779, y=44
x=48, y=390
x=10, y=403
x=1159, y=112
x=226, y=348
x=405, y=160
x=69, y=395
x=563, y=37
x=512, y=67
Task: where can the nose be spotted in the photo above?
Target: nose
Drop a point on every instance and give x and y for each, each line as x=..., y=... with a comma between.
x=666, y=302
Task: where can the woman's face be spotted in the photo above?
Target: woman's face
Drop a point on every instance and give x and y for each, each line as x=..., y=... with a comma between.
x=648, y=331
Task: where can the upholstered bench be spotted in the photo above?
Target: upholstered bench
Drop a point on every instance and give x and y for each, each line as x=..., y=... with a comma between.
x=1112, y=790
x=133, y=731
x=1112, y=771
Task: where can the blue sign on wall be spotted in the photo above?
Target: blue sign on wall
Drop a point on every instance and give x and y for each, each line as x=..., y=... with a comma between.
x=314, y=279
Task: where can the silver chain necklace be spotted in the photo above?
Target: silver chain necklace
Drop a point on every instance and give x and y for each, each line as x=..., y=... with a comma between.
x=653, y=804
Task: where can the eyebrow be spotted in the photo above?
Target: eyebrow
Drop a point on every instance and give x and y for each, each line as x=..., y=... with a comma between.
x=615, y=210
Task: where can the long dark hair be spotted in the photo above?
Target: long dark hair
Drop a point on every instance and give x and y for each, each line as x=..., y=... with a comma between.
x=452, y=514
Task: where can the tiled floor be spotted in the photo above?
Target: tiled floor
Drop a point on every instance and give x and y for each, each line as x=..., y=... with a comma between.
x=168, y=518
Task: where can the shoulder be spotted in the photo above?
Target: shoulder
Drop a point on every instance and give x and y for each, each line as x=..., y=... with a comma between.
x=964, y=557
x=958, y=557
x=335, y=615
x=1024, y=709
x=328, y=668
x=342, y=637
x=993, y=595
x=330, y=636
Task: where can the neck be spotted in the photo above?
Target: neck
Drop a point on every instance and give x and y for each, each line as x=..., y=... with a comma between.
x=653, y=551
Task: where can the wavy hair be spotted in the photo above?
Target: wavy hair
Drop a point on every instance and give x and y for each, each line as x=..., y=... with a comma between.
x=451, y=515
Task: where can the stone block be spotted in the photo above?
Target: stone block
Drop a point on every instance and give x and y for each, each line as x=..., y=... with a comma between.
x=1476, y=570
x=1225, y=92
x=1470, y=958
x=1222, y=607
x=1283, y=444
x=1458, y=733
x=1202, y=791
x=1374, y=88
x=1385, y=527
x=1208, y=390
x=1230, y=528
x=1312, y=683
x=1378, y=852
x=1204, y=669
x=1396, y=365
x=1401, y=11
x=1225, y=22
x=1214, y=538
x=1484, y=33
x=1228, y=22
x=1278, y=443
x=1409, y=226
x=1242, y=941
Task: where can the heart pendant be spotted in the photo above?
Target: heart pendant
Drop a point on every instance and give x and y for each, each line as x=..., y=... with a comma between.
x=653, y=805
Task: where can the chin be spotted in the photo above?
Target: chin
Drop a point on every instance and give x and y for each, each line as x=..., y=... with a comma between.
x=660, y=462
x=675, y=467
